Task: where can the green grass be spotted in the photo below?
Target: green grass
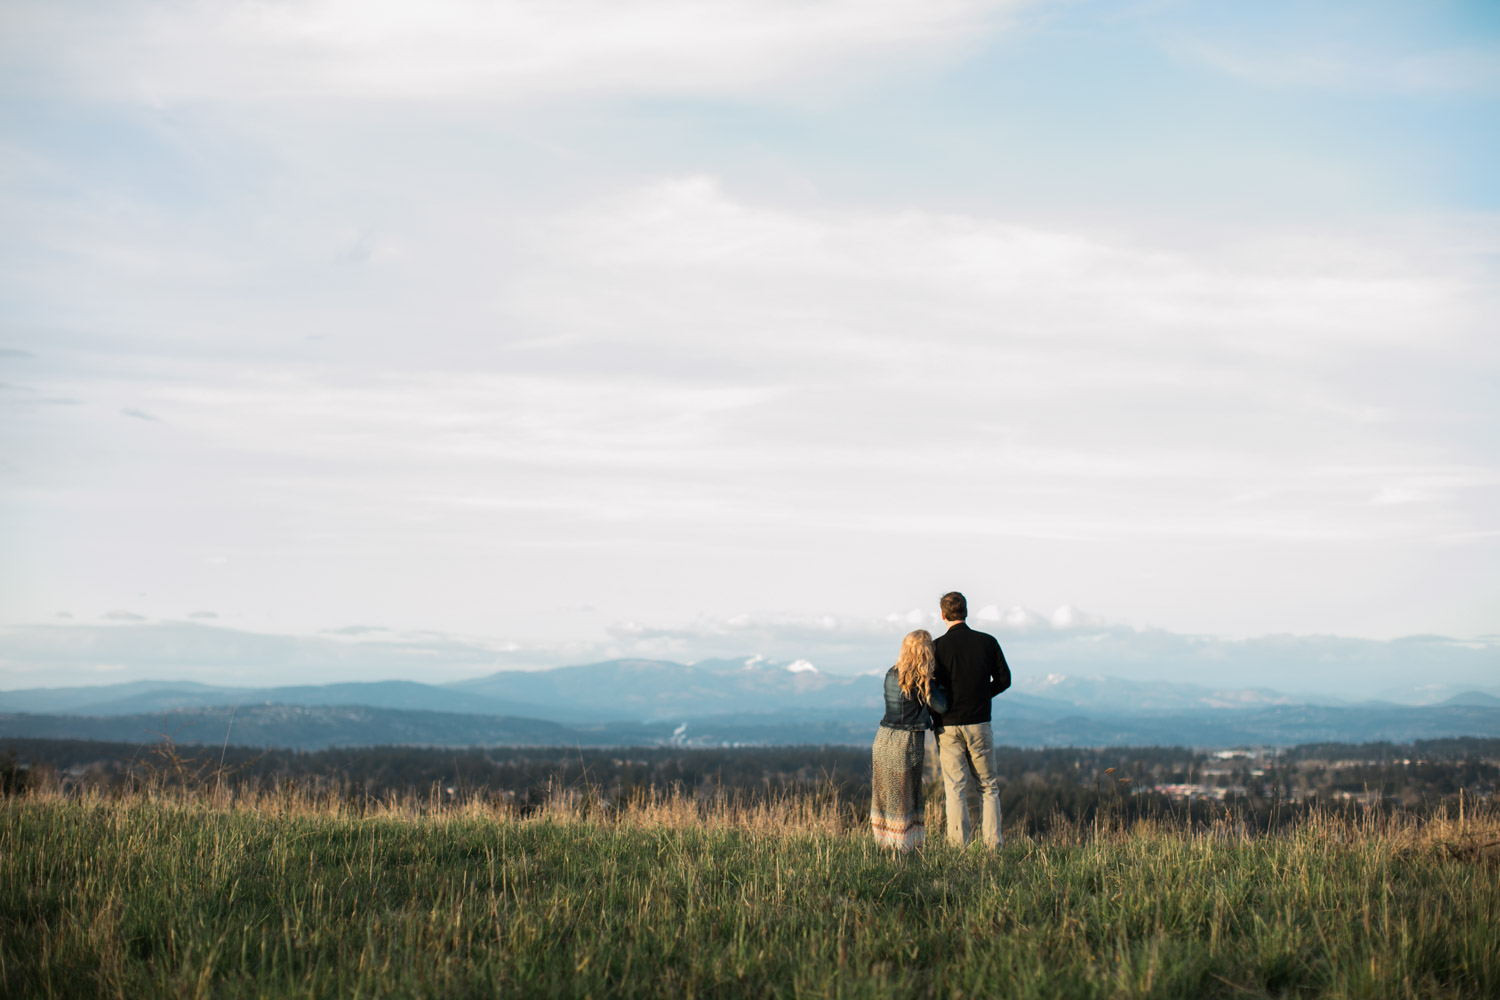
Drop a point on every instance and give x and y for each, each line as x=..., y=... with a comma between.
x=149, y=896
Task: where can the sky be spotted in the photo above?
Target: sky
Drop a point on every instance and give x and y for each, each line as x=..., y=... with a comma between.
x=525, y=333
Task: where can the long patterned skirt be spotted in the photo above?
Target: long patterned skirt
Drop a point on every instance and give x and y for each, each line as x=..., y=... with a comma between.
x=896, y=808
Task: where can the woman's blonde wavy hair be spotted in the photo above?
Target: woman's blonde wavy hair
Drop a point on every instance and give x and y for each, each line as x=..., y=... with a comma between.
x=914, y=667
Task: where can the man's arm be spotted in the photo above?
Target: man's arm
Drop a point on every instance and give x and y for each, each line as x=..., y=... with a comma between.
x=1000, y=676
x=942, y=680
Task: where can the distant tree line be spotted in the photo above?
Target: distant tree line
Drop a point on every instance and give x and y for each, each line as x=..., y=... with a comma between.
x=1040, y=788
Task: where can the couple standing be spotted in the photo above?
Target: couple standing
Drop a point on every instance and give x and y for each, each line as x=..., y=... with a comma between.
x=946, y=686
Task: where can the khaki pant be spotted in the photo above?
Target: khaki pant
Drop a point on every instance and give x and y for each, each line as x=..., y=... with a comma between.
x=966, y=752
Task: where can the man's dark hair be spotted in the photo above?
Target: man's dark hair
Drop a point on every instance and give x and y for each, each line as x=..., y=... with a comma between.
x=954, y=607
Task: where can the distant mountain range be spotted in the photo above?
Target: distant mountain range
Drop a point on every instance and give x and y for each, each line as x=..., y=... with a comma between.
x=144, y=697
x=645, y=702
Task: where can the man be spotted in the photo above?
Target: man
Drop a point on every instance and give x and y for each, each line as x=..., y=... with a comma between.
x=972, y=667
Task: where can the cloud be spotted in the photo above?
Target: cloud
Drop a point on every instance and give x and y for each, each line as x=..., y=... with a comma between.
x=1350, y=47
x=658, y=340
x=1015, y=619
x=140, y=415
x=203, y=615
x=507, y=51
x=833, y=282
x=122, y=616
x=749, y=383
x=1402, y=486
x=1254, y=328
x=1069, y=617
x=1389, y=68
x=25, y=397
x=57, y=654
x=16, y=353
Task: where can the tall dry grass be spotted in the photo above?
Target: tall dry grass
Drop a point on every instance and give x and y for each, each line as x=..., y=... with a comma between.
x=224, y=893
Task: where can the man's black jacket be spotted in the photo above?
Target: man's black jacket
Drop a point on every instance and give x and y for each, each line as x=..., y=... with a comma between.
x=972, y=667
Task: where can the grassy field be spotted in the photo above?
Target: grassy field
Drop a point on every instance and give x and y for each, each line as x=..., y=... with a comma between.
x=188, y=896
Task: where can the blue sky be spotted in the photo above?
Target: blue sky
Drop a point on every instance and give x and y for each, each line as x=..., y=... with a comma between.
x=574, y=329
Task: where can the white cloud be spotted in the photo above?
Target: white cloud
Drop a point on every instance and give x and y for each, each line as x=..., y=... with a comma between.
x=65, y=655
x=508, y=51
x=1390, y=67
x=834, y=281
x=1065, y=617
x=698, y=308
x=735, y=381
x=1021, y=619
x=1256, y=327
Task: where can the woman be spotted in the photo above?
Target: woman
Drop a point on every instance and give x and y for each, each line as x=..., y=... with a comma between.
x=896, y=807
